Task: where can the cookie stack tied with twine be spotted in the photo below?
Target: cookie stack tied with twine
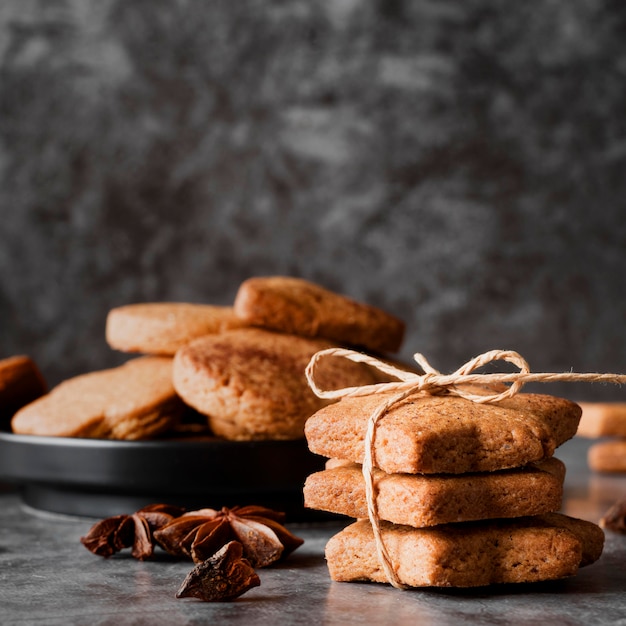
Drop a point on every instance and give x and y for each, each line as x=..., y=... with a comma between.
x=451, y=477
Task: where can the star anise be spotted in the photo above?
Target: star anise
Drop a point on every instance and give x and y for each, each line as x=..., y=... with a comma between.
x=224, y=576
x=113, y=534
x=200, y=534
x=615, y=518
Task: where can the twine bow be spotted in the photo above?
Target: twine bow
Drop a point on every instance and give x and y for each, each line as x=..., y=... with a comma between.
x=432, y=382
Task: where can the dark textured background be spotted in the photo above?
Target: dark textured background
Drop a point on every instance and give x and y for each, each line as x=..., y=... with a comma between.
x=460, y=163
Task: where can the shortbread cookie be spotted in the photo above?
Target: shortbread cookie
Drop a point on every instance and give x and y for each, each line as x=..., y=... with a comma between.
x=251, y=382
x=134, y=401
x=161, y=328
x=602, y=419
x=608, y=456
x=471, y=554
x=434, y=434
x=21, y=382
x=296, y=306
x=419, y=500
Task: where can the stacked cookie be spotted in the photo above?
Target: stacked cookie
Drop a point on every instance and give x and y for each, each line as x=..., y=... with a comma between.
x=465, y=493
x=605, y=420
x=239, y=369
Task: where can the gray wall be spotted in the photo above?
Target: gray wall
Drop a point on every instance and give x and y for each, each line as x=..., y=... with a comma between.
x=460, y=163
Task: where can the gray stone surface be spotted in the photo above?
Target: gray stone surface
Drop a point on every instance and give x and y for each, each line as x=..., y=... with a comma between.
x=458, y=163
x=47, y=577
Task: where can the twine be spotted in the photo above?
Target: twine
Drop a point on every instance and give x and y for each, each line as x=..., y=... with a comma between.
x=432, y=382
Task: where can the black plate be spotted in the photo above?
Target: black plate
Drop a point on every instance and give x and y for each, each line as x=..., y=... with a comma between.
x=99, y=478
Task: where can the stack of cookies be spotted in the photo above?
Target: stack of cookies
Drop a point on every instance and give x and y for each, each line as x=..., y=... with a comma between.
x=465, y=493
x=238, y=370
x=605, y=420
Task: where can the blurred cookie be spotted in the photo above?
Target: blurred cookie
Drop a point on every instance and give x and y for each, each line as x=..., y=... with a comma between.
x=298, y=307
x=21, y=382
x=251, y=382
x=527, y=549
x=418, y=500
x=134, y=401
x=608, y=456
x=601, y=419
x=161, y=328
x=435, y=434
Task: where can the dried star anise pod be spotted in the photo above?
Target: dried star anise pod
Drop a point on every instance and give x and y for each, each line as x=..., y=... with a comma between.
x=615, y=518
x=200, y=534
x=113, y=534
x=224, y=576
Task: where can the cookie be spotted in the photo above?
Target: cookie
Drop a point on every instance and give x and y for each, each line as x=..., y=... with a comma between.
x=134, y=401
x=419, y=500
x=251, y=382
x=608, y=456
x=527, y=549
x=298, y=307
x=445, y=434
x=601, y=419
x=21, y=382
x=161, y=328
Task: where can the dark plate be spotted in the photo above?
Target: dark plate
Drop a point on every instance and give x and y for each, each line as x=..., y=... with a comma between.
x=99, y=478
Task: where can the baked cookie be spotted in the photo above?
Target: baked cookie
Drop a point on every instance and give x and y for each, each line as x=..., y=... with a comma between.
x=251, y=382
x=21, y=382
x=608, y=456
x=602, y=419
x=134, y=401
x=445, y=434
x=298, y=307
x=419, y=500
x=471, y=554
x=161, y=328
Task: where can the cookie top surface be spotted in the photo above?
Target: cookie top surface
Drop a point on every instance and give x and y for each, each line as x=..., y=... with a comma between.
x=445, y=434
x=427, y=500
x=251, y=382
x=527, y=549
x=161, y=328
x=299, y=307
x=124, y=399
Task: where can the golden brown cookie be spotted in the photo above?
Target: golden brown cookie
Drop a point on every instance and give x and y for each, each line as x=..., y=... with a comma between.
x=427, y=500
x=134, y=401
x=445, y=434
x=162, y=327
x=608, y=456
x=298, y=307
x=527, y=549
x=251, y=382
x=601, y=419
x=21, y=382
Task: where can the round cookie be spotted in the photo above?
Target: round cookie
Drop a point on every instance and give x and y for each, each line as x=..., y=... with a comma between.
x=162, y=327
x=134, y=401
x=251, y=382
x=296, y=306
x=602, y=419
x=21, y=382
x=608, y=456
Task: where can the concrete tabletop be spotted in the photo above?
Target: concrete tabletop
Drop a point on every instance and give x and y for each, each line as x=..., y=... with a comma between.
x=48, y=577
